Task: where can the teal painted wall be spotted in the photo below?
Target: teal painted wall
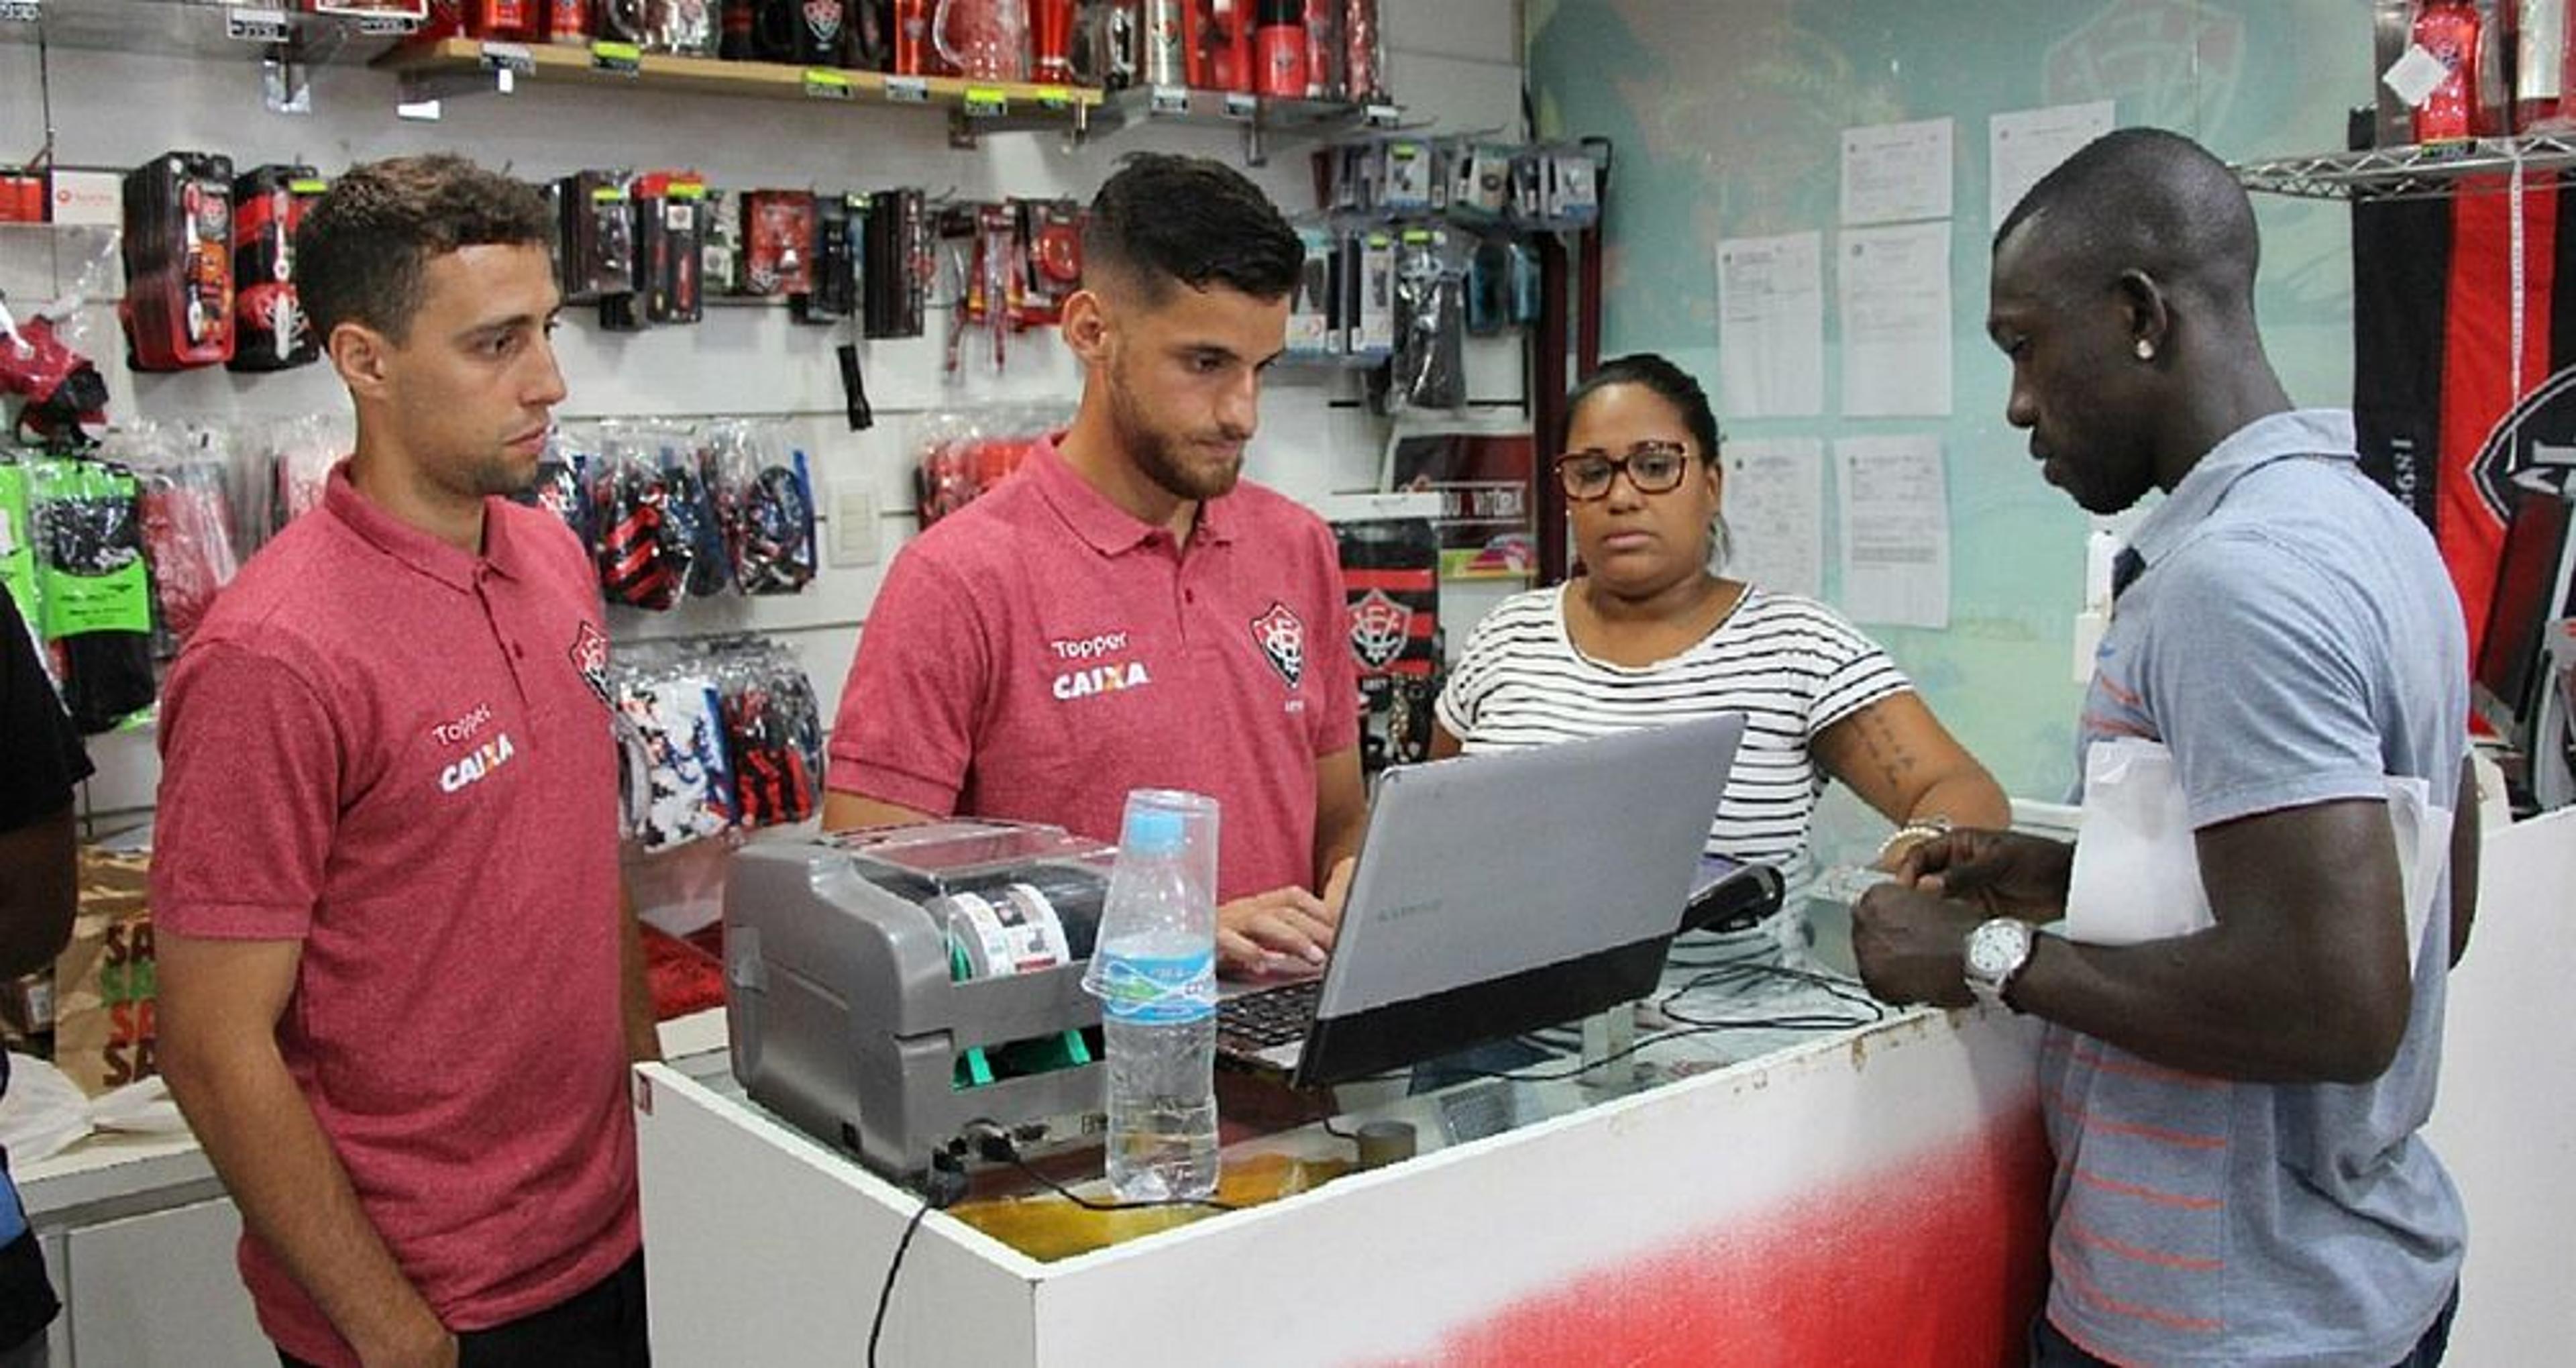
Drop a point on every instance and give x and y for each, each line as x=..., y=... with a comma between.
x=1728, y=115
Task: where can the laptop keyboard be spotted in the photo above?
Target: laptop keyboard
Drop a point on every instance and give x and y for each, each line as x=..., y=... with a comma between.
x=1275, y=1016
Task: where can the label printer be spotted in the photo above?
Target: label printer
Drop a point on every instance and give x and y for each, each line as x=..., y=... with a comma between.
x=886, y=987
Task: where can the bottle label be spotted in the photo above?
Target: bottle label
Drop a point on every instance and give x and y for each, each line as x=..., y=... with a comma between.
x=1156, y=990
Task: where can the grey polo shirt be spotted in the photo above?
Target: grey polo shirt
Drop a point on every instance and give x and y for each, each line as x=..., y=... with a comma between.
x=2292, y=638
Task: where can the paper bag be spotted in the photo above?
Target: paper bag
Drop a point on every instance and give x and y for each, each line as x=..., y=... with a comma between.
x=103, y=980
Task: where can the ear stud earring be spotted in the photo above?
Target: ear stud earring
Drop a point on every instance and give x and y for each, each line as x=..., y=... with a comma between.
x=2146, y=350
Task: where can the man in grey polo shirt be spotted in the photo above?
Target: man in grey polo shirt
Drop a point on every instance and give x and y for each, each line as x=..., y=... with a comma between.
x=2234, y=1112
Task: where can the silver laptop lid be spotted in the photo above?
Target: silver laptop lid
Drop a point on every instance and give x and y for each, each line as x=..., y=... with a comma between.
x=1488, y=865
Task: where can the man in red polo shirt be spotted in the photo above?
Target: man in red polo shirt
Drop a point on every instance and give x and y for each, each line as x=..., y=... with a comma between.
x=1125, y=612
x=398, y=996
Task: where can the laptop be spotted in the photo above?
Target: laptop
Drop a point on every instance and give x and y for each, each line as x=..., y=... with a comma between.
x=1496, y=894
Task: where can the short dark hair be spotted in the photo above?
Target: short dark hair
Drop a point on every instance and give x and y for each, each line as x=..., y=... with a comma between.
x=1671, y=382
x=2153, y=200
x=1164, y=218
x=362, y=247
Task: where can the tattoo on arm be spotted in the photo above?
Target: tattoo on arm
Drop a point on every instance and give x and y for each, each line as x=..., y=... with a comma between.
x=1884, y=748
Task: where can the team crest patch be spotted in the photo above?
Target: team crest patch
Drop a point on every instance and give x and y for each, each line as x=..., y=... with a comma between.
x=1380, y=627
x=1283, y=639
x=590, y=656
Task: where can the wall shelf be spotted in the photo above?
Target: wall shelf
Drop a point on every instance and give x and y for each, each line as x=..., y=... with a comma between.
x=189, y=28
x=2417, y=172
x=1263, y=118
x=452, y=67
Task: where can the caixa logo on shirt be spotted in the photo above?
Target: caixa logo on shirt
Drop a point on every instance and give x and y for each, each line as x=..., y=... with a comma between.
x=471, y=769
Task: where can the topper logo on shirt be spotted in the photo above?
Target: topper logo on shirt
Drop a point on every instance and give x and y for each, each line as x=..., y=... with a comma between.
x=464, y=728
x=1282, y=637
x=1108, y=676
x=489, y=756
x=590, y=656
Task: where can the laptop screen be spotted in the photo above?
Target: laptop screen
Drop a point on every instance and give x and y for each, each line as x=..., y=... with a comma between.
x=1502, y=892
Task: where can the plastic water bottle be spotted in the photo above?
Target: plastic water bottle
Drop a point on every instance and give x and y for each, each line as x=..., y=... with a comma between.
x=1155, y=972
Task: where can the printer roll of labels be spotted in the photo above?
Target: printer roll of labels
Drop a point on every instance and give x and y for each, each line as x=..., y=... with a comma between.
x=1013, y=929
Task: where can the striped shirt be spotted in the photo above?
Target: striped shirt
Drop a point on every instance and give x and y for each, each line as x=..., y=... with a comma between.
x=1792, y=666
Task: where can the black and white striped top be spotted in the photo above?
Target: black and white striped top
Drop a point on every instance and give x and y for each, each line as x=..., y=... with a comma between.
x=1791, y=665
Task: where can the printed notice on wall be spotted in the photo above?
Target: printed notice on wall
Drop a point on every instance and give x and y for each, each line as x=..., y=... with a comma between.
x=1893, y=285
x=2027, y=144
x=1895, y=173
x=1895, y=506
x=1771, y=326
x=1775, y=513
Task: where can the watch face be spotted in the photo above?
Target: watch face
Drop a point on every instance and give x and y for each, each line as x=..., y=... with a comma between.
x=1996, y=949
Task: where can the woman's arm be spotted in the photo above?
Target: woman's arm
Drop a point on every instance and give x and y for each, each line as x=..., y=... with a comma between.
x=1899, y=758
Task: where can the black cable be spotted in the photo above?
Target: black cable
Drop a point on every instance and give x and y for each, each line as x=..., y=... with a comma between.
x=885, y=1294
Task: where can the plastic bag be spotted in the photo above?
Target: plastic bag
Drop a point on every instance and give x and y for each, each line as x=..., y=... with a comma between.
x=43, y=1113
x=765, y=503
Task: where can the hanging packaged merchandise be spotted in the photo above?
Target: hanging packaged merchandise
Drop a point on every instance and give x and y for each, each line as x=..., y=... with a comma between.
x=178, y=308
x=301, y=454
x=677, y=720
x=1368, y=296
x=964, y=455
x=1570, y=189
x=777, y=242
x=272, y=332
x=1051, y=267
x=1391, y=575
x=834, y=287
x=1314, y=318
x=95, y=591
x=644, y=549
x=562, y=487
x=690, y=513
x=767, y=504
x=62, y=391
x=502, y=20
x=812, y=33
x=1431, y=325
x=17, y=541
x=670, y=218
x=1109, y=47
x=773, y=732
x=737, y=29
x=900, y=264
x=187, y=519
x=685, y=28
x=598, y=236
x=870, y=29
x=719, y=246
x=980, y=244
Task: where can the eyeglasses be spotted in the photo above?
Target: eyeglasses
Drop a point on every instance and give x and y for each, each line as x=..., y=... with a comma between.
x=1652, y=467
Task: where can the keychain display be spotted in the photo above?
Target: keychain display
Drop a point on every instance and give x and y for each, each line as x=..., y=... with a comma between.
x=178, y=308
x=271, y=330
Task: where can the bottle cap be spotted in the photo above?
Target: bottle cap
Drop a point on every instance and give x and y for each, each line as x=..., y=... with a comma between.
x=1152, y=831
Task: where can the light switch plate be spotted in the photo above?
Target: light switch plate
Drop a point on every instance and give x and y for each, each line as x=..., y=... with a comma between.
x=854, y=527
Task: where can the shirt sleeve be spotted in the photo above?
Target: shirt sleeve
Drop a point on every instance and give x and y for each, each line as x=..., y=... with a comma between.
x=908, y=721
x=1337, y=677
x=1462, y=697
x=1851, y=671
x=250, y=796
x=2259, y=680
x=41, y=757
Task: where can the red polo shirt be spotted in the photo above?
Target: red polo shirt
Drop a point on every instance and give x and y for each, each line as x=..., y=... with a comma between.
x=1041, y=652
x=400, y=755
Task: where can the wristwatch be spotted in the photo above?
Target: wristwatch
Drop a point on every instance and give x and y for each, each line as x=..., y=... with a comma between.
x=1996, y=952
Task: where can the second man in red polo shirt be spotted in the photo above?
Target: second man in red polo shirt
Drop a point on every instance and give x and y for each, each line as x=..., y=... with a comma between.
x=1127, y=612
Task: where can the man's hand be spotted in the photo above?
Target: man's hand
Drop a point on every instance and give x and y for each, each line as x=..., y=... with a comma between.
x=2004, y=873
x=1912, y=945
x=420, y=1343
x=1284, y=929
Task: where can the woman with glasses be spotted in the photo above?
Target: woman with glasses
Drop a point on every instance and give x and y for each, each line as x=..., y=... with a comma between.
x=1651, y=634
